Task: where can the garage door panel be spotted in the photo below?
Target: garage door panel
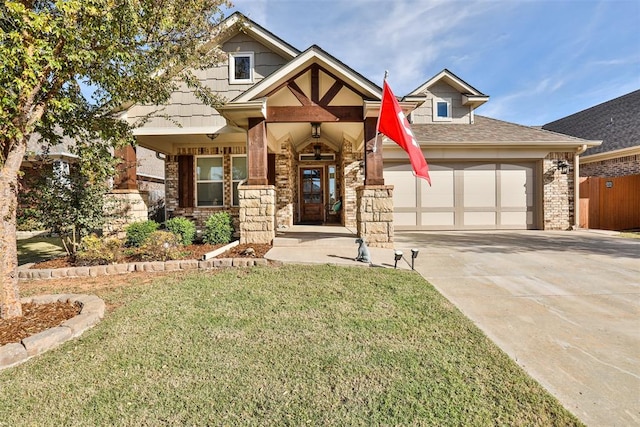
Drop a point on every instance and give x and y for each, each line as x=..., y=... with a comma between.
x=439, y=219
x=404, y=186
x=472, y=219
x=479, y=184
x=516, y=186
x=404, y=219
x=441, y=193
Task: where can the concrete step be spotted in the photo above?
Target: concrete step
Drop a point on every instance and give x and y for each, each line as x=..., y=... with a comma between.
x=289, y=240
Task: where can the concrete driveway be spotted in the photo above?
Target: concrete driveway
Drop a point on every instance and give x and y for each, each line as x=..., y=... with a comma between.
x=564, y=305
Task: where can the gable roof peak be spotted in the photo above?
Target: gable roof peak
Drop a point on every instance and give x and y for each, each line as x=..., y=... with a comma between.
x=452, y=80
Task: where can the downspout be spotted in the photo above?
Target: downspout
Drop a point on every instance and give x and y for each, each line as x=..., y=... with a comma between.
x=576, y=185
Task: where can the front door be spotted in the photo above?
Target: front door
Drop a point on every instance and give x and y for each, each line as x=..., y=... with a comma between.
x=311, y=191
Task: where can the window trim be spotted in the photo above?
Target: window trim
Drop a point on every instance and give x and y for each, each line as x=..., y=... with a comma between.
x=437, y=118
x=232, y=67
x=207, y=181
x=234, y=156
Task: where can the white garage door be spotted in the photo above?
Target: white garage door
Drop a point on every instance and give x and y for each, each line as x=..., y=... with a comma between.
x=464, y=196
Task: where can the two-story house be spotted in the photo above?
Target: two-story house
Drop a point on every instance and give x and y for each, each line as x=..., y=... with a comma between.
x=296, y=143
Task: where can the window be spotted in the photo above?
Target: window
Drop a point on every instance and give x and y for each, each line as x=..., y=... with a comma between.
x=238, y=174
x=441, y=109
x=209, y=181
x=241, y=67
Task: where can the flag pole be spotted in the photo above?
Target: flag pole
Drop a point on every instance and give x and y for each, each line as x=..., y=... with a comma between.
x=375, y=145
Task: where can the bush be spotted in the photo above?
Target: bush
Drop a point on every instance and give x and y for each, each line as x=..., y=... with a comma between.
x=161, y=246
x=97, y=251
x=183, y=228
x=218, y=229
x=139, y=232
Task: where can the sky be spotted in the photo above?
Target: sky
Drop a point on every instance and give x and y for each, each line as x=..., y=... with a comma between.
x=537, y=60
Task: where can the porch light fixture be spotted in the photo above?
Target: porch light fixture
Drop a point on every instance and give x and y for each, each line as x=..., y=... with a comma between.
x=562, y=166
x=317, y=151
x=212, y=136
x=315, y=130
x=397, y=256
x=414, y=255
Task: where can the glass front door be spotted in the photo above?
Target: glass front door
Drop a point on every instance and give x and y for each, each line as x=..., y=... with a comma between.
x=312, y=195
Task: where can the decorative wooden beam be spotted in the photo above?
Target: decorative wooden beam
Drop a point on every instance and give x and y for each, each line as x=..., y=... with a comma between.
x=315, y=83
x=126, y=176
x=331, y=93
x=298, y=93
x=373, y=166
x=314, y=113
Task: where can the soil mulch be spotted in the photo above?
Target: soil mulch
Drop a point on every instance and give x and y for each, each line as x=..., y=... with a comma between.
x=39, y=317
x=190, y=252
x=36, y=318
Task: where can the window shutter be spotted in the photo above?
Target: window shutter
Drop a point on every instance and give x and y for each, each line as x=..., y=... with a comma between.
x=186, y=191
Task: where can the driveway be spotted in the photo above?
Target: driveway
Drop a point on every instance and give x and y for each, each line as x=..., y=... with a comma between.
x=564, y=305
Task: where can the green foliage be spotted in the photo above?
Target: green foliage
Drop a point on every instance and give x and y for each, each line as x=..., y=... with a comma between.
x=99, y=251
x=139, y=232
x=182, y=227
x=161, y=246
x=218, y=228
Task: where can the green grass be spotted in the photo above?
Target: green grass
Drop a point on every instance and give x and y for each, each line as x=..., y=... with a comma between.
x=295, y=345
x=39, y=248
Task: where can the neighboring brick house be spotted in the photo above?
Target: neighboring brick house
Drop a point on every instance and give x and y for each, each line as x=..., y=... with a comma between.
x=617, y=124
x=298, y=135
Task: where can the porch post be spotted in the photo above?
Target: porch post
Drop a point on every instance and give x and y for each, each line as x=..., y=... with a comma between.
x=126, y=171
x=257, y=152
x=372, y=153
x=374, y=200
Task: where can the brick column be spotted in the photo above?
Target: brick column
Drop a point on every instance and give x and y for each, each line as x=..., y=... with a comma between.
x=257, y=213
x=374, y=214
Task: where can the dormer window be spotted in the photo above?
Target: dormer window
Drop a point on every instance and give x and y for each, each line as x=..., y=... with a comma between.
x=241, y=67
x=441, y=109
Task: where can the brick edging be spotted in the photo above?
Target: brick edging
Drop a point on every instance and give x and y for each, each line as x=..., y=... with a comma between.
x=152, y=266
x=91, y=313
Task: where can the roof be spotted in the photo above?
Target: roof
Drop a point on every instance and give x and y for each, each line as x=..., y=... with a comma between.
x=452, y=80
x=615, y=122
x=487, y=130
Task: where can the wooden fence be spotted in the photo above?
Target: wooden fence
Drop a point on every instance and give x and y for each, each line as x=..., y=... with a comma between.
x=610, y=203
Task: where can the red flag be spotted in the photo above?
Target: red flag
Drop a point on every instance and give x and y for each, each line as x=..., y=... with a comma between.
x=393, y=123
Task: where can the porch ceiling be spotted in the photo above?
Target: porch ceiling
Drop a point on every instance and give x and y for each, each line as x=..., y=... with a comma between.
x=331, y=134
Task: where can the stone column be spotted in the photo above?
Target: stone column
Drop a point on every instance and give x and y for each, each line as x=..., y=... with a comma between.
x=257, y=213
x=374, y=214
x=123, y=207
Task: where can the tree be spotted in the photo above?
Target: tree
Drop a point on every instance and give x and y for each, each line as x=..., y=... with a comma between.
x=127, y=51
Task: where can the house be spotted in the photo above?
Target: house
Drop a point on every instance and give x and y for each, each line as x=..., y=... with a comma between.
x=617, y=124
x=297, y=138
x=142, y=172
x=610, y=172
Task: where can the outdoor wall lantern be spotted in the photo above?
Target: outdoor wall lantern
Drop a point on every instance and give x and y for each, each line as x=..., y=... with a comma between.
x=315, y=130
x=398, y=256
x=562, y=166
x=414, y=255
x=212, y=136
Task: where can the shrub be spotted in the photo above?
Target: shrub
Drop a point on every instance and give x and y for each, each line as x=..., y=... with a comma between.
x=182, y=227
x=218, y=229
x=139, y=232
x=97, y=251
x=161, y=246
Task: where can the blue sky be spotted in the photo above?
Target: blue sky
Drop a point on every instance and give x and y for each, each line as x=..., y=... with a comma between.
x=537, y=60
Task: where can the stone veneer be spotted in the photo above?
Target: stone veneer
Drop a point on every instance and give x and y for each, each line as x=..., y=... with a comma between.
x=375, y=215
x=122, y=207
x=352, y=175
x=558, y=196
x=285, y=185
x=612, y=168
x=257, y=213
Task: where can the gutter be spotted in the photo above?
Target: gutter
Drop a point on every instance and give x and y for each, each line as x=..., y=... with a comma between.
x=576, y=185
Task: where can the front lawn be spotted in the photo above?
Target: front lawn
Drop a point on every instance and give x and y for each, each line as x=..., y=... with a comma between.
x=294, y=345
x=39, y=248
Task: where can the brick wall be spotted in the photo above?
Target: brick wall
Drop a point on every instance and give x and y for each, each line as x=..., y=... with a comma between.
x=612, y=168
x=558, y=196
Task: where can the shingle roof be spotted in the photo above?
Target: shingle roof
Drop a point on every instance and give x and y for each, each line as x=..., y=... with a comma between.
x=485, y=129
x=615, y=122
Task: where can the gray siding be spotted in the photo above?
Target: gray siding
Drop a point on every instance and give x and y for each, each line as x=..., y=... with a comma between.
x=187, y=110
x=459, y=112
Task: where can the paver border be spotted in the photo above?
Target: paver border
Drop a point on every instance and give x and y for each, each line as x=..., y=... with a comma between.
x=91, y=314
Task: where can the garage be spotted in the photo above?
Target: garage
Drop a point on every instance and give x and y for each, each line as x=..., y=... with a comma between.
x=464, y=196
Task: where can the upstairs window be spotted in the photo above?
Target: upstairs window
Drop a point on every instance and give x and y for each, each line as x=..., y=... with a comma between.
x=241, y=67
x=442, y=109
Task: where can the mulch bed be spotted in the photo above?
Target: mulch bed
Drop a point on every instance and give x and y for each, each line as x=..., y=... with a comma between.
x=190, y=252
x=36, y=318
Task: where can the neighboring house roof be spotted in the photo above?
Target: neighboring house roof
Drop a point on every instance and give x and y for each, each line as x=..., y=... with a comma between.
x=488, y=131
x=615, y=122
x=37, y=148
